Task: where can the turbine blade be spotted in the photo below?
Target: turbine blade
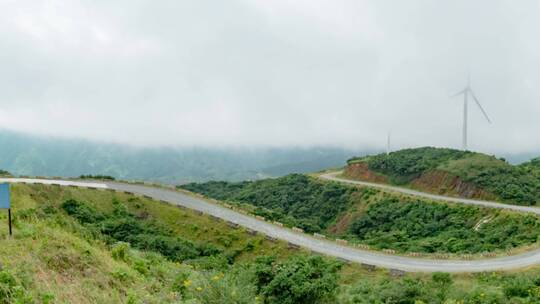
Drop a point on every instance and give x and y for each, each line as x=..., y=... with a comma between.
x=459, y=93
x=480, y=106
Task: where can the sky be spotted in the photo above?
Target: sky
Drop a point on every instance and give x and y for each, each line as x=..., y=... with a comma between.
x=274, y=73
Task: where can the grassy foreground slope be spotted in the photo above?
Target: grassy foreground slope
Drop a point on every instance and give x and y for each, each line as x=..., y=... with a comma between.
x=380, y=220
x=65, y=249
x=84, y=246
x=451, y=172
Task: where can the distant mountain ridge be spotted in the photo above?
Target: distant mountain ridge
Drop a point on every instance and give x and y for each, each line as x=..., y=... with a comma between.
x=23, y=154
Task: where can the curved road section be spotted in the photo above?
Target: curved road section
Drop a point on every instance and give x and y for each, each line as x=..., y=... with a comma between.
x=306, y=241
x=333, y=176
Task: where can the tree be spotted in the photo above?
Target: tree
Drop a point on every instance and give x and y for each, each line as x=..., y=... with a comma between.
x=299, y=280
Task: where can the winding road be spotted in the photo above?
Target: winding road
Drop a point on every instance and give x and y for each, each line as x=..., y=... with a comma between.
x=333, y=176
x=322, y=246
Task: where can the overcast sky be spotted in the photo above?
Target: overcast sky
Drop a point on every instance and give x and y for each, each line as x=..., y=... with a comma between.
x=272, y=72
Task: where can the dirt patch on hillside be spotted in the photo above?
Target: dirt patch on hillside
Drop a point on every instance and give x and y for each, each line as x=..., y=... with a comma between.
x=344, y=221
x=436, y=181
x=441, y=182
x=342, y=225
x=361, y=171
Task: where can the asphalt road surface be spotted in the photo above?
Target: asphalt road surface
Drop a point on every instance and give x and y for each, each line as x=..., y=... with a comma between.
x=333, y=176
x=320, y=245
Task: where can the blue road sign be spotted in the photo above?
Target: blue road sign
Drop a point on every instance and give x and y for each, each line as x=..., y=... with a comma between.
x=4, y=196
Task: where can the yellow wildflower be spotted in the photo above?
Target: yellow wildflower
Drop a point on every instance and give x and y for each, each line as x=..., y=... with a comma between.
x=199, y=288
x=187, y=283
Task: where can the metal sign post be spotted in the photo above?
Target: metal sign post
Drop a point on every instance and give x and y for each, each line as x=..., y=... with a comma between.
x=5, y=202
x=9, y=220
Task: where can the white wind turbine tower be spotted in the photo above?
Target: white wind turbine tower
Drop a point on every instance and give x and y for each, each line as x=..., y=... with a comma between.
x=466, y=93
x=388, y=143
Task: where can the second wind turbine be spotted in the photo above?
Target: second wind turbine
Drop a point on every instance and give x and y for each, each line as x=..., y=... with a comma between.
x=466, y=93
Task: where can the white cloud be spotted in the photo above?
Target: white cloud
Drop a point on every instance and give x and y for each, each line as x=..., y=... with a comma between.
x=73, y=28
x=271, y=72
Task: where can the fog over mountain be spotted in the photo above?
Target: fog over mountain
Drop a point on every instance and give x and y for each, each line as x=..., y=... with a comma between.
x=30, y=155
x=274, y=73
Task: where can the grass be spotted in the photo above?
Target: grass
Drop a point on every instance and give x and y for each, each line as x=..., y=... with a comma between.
x=184, y=222
x=453, y=172
x=472, y=165
x=378, y=219
x=417, y=226
x=51, y=256
x=52, y=259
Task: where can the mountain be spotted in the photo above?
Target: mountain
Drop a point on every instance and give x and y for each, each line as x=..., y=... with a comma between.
x=43, y=156
x=83, y=246
x=532, y=167
x=452, y=172
x=371, y=217
x=74, y=245
x=77, y=245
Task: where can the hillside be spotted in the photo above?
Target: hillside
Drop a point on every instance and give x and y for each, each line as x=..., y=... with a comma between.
x=532, y=167
x=44, y=156
x=370, y=217
x=86, y=246
x=451, y=172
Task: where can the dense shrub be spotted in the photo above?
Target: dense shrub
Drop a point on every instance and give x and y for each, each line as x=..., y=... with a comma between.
x=232, y=287
x=122, y=226
x=299, y=280
x=294, y=199
x=515, y=184
x=532, y=167
x=418, y=291
x=406, y=226
x=406, y=291
x=509, y=183
x=518, y=287
x=404, y=165
x=11, y=291
x=82, y=212
x=430, y=227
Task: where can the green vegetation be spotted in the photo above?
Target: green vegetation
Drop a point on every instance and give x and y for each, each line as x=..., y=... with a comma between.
x=4, y=173
x=382, y=221
x=405, y=165
x=44, y=156
x=64, y=251
x=141, y=233
x=485, y=288
x=415, y=226
x=84, y=246
x=104, y=177
x=296, y=199
x=532, y=167
x=302, y=280
x=513, y=184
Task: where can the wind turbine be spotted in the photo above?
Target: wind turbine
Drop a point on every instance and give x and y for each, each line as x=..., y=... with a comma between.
x=388, y=144
x=466, y=93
